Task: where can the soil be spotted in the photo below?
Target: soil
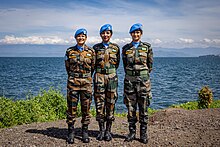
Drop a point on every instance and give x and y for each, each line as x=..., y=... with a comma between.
x=169, y=127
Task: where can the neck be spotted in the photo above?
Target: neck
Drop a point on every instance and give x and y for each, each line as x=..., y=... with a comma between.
x=106, y=42
x=136, y=41
x=81, y=45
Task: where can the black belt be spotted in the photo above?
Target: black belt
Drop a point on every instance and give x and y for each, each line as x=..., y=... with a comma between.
x=81, y=75
x=106, y=71
x=136, y=73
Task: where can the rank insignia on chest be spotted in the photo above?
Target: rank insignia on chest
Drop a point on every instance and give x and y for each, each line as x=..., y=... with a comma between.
x=128, y=52
x=114, y=50
x=89, y=55
x=144, y=49
x=72, y=56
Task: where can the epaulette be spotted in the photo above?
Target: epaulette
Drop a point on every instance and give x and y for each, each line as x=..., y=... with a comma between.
x=147, y=44
x=91, y=49
x=114, y=44
x=98, y=45
x=127, y=46
x=70, y=48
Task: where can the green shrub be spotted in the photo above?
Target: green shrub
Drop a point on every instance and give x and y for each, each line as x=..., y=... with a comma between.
x=205, y=97
x=46, y=106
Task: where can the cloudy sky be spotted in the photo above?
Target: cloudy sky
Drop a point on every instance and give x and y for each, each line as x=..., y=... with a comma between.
x=167, y=23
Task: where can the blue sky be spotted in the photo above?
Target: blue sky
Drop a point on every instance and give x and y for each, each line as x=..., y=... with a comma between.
x=167, y=23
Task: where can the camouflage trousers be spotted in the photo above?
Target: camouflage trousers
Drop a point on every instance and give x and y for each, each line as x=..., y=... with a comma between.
x=137, y=91
x=73, y=97
x=105, y=95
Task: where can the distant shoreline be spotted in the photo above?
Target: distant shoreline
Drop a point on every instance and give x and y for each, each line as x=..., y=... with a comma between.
x=210, y=56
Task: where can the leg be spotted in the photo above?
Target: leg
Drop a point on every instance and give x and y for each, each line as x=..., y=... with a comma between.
x=111, y=98
x=143, y=103
x=99, y=96
x=132, y=118
x=86, y=99
x=131, y=103
x=143, y=115
x=72, y=101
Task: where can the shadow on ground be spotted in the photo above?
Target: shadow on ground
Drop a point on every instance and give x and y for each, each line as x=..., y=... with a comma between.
x=61, y=133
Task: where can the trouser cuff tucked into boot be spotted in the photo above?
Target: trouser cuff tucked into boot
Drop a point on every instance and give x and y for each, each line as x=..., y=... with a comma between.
x=85, y=136
x=101, y=134
x=143, y=134
x=70, y=135
x=108, y=135
x=132, y=133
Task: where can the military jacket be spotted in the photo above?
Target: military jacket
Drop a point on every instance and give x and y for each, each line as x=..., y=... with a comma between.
x=78, y=63
x=137, y=59
x=107, y=58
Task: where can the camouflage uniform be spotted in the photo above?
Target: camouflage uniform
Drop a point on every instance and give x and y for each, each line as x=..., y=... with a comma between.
x=106, y=80
x=137, y=87
x=79, y=66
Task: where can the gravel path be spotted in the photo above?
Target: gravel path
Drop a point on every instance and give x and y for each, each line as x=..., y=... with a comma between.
x=169, y=127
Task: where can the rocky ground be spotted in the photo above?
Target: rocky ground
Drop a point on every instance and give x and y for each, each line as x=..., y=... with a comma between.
x=169, y=127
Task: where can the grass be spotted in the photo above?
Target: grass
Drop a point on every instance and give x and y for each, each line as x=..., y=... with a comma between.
x=194, y=105
x=51, y=105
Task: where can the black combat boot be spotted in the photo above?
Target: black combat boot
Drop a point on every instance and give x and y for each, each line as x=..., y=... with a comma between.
x=101, y=134
x=143, y=134
x=70, y=136
x=132, y=133
x=85, y=136
x=108, y=135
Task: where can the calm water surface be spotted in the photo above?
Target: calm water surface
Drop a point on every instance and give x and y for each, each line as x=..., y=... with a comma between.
x=174, y=80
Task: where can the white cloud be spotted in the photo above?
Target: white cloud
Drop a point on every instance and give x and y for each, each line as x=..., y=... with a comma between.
x=179, y=43
x=206, y=40
x=185, y=40
x=33, y=40
x=217, y=41
x=212, y=42
x=55, y=40
x=93, y=40
x=156, y=41
x=121, y=41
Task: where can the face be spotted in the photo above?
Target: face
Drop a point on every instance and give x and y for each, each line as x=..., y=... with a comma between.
x=106, y=35
x=136, y=35
x=81, y=39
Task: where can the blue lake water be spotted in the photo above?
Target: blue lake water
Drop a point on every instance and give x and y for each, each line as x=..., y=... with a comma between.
x=174, y=80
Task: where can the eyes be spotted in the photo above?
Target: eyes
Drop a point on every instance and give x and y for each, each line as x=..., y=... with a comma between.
x=106, y=33
x=136, y=33
x=81, y=36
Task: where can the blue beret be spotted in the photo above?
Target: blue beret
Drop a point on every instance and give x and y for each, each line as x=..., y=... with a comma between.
x=80, y=31
x=106, y=27
x=135, y=27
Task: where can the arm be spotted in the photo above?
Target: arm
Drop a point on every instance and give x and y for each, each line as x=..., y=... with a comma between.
x=67, y=64
x=118, y=58
x=150, y=59
x=124, y=58
x=93, y=62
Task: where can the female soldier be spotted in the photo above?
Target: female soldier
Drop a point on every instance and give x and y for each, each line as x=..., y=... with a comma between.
x=80, y=61
x=137, y=60
x=105, y=81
